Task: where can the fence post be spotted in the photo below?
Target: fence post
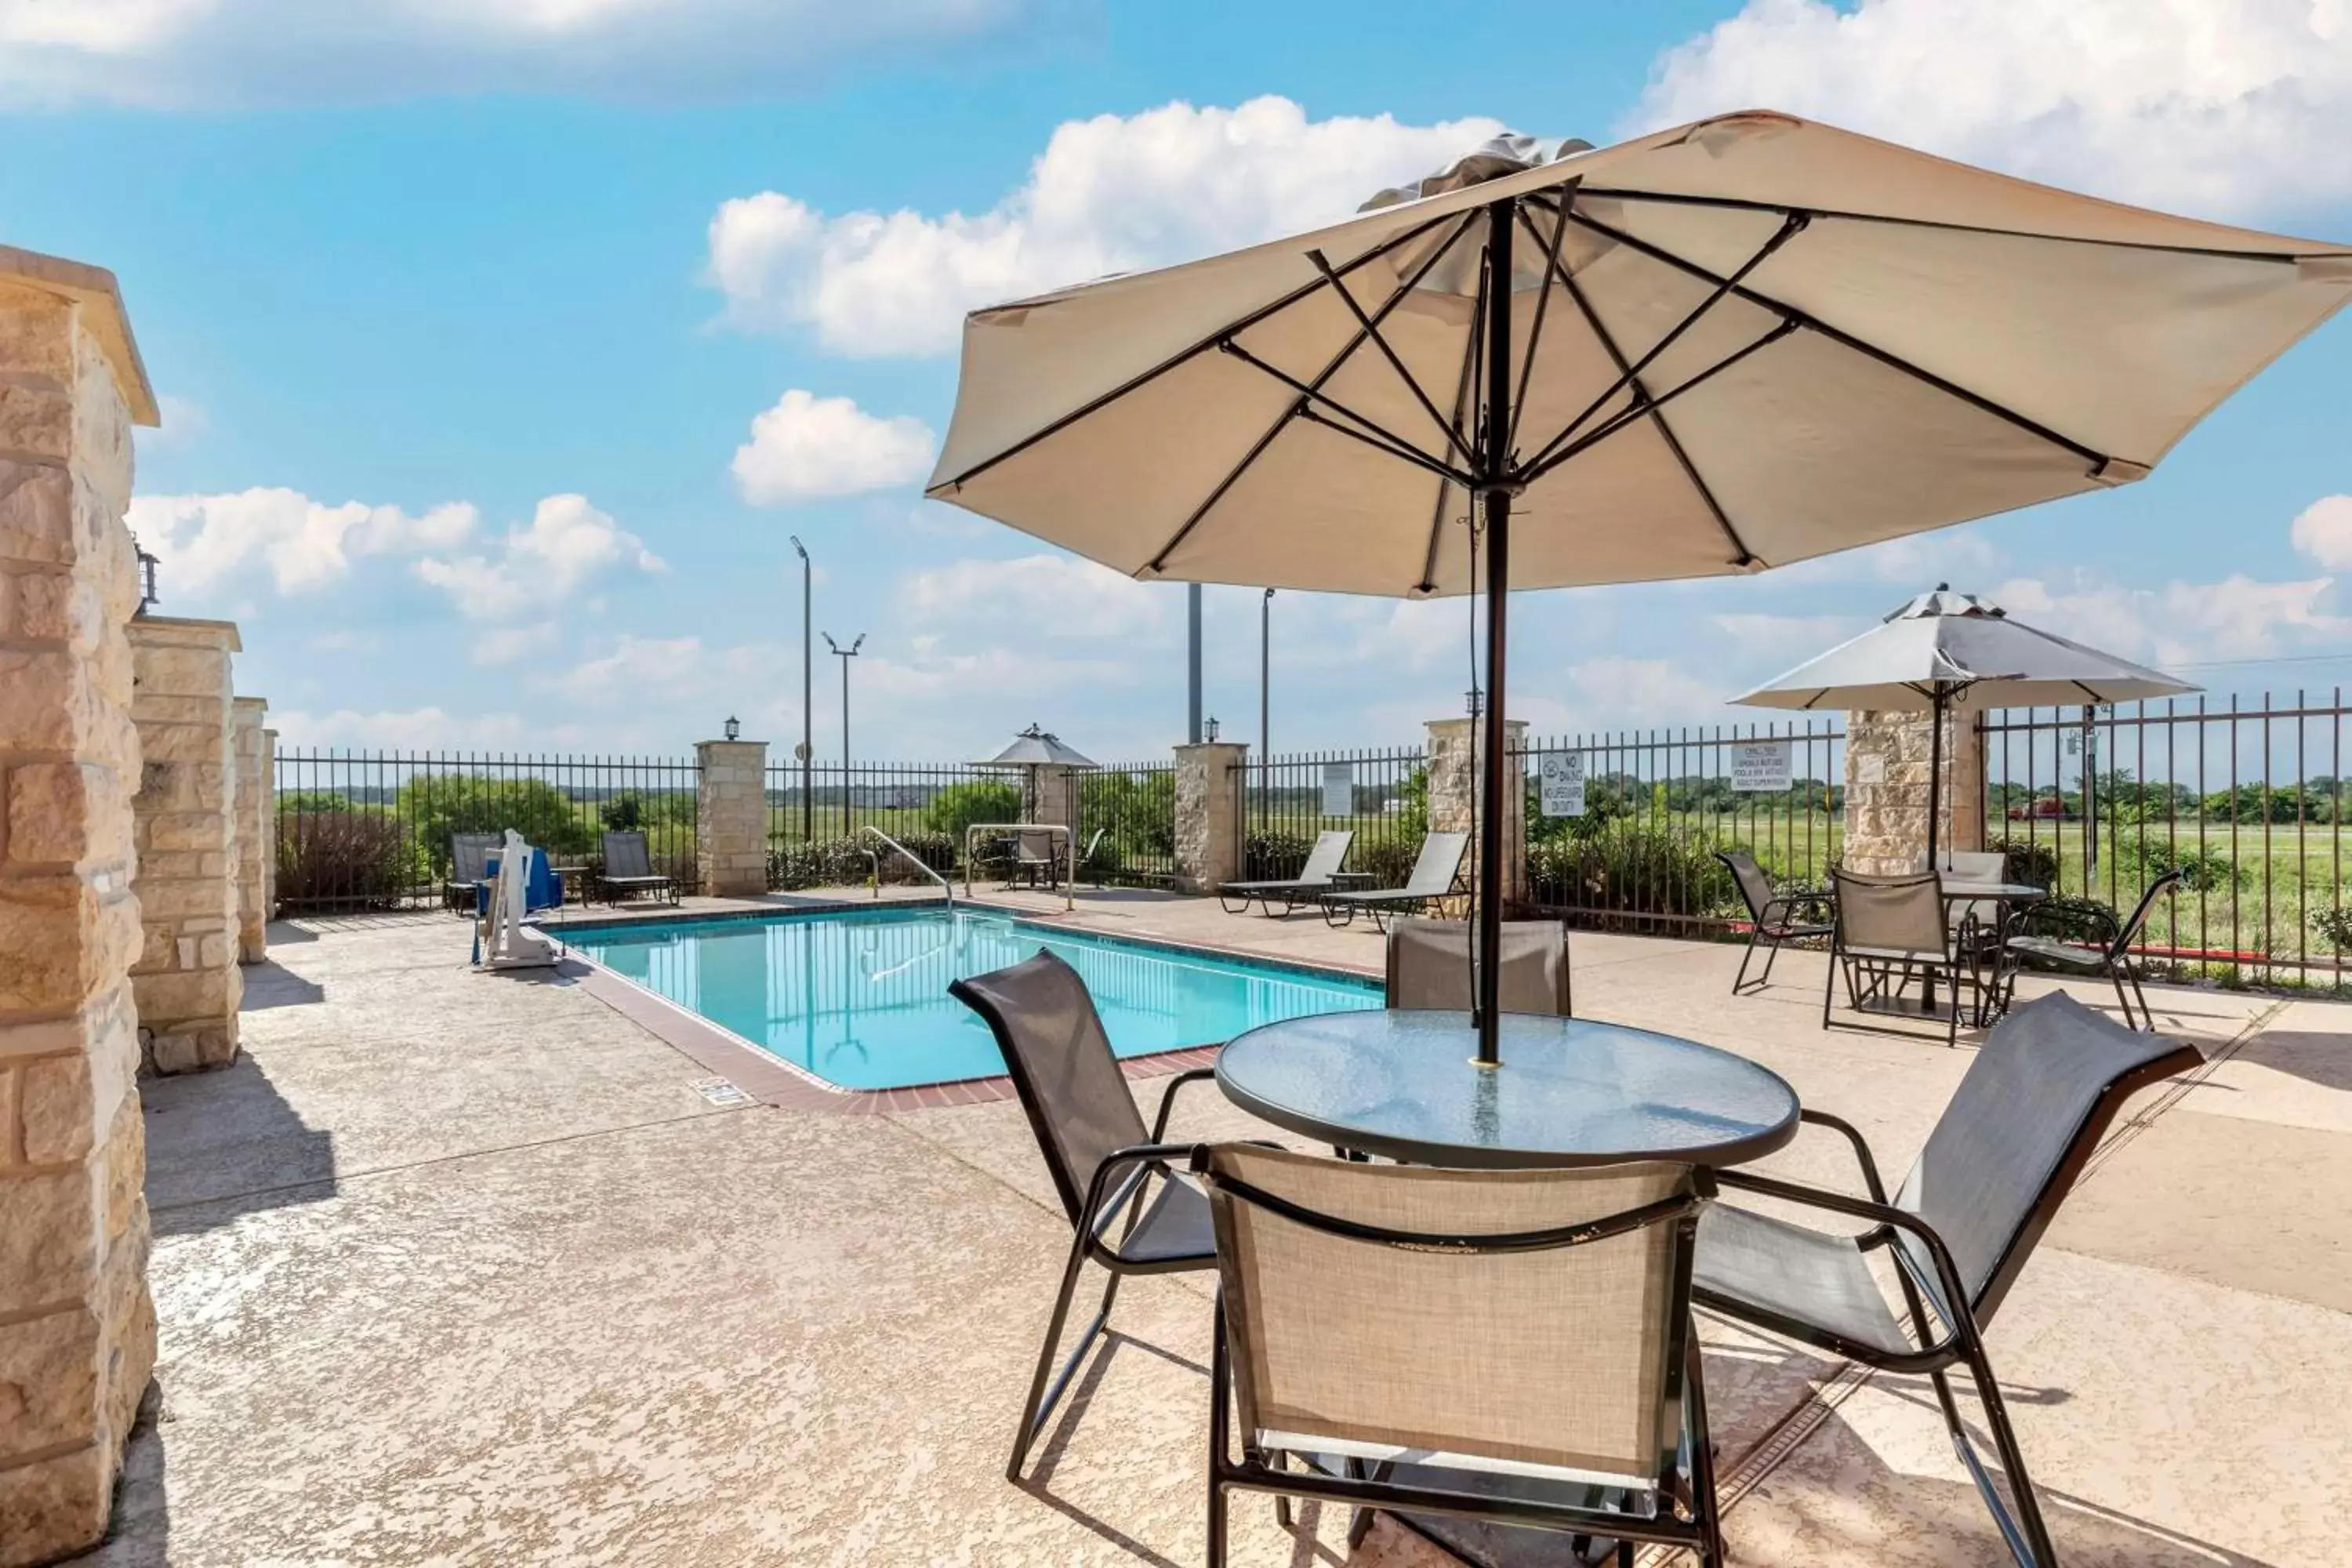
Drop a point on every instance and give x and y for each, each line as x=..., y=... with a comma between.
x=257, y=824
x=730, y=818
x=1208, y=818
x=1886, y=778
x=1453, y=799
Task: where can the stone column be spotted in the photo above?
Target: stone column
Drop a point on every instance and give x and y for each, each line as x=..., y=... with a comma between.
x=1886, y=776
x=269, y=830
x=186, y=978
x=77, y=1329
x=1208, y=827
x=730, y=832
x=257, y=828
x=1057, y=798
x=1454, y=799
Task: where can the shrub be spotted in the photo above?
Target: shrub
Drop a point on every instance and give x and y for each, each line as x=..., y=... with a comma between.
x=959, y=805
x=443, y=804
x=2334, y=925
x=1634, y=870
x=304, y=802
x=1267, y=856
x=624, y=812
x=2203, y=868
x=1138, y=810
x=849, y=862
x=2030, y=860
x=1389, y=861
x=343, y=858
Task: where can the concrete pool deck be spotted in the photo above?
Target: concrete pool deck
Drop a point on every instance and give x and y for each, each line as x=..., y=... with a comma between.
x=461, y=1269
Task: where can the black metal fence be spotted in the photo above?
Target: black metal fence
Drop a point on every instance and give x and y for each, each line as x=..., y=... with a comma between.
x=1126, y=823
x=1658, y=804
x=371, y=830
x=2242, y=795
x=1381, y=794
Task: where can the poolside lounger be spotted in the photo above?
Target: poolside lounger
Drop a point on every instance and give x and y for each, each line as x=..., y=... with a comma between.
x=469, y=867
x=629, y=871
x=1436, y=874
x=1318, y=877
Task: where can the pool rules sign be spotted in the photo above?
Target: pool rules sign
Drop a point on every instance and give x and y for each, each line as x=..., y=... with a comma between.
x=1759, y=767
x=1561, y=777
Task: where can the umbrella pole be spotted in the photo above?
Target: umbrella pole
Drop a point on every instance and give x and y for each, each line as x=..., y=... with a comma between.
x=1494, y=462
x=1935, y=770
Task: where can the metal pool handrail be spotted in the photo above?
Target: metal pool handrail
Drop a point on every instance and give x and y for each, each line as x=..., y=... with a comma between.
x=1061, y=836
x=914, y=859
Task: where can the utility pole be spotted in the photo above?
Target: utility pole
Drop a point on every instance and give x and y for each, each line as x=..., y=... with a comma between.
x=848, y=795
x=1192, y=662
x=808, y=699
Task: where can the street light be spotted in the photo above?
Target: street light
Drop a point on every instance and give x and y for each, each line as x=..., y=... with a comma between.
x=733, y=727
x=846, y=655
x=808, y=747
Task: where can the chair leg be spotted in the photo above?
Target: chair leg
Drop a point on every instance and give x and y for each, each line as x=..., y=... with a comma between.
x=1219, y=1416
x=2147, y=1018
x=1772, y=957
x=2022, y=1531
x=1704, y=1510
x=1739, y=981
x=2116, y=978
x=1042, y=1397
x=1952, y=993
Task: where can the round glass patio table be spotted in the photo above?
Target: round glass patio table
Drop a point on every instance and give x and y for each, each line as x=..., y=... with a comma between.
x=1571, y=1092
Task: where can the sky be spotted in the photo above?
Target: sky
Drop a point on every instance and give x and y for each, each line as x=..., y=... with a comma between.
x=503, y=348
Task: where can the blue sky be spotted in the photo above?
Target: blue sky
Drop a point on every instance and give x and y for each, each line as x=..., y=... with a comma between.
x=463, y=328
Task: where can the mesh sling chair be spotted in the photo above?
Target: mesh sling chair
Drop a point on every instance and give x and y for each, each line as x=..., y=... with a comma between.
x=1318, y=877
x=2108, y=951
x=469, y=867
x=1436, y=873
x=2041, y=1094
x=1101, y=1158
x=1036, y=859
x=1772, y=918
x=629, y=871
x=1521, y=1338
x=1887, y=931
x=1429, y=966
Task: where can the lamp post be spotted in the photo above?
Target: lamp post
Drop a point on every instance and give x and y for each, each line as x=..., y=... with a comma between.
x=808, y=701
x=1192, y=662
x=1265, y=689
x=848, y=823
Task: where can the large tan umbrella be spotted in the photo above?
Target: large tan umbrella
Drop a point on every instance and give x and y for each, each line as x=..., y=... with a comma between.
x=1721, y=348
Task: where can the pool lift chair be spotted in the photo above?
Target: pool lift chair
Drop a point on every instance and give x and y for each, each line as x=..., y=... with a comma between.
x=523, y=886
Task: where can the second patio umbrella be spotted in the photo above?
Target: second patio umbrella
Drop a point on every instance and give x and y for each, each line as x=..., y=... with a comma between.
x=1944, y=650
x=1715, y=348
x=1031, y=750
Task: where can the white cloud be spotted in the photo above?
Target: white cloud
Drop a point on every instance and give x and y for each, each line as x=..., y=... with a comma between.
x=1044, y=596
x=414, y=729
x=566, y=542
x=809, y=447
x=2222, y=107
x=659, y=670
x=504, y=644
x=1645, y=690
x=174, y=54
x=2183, y=622
x=2323, y=530
x=202, y=540
x=182, y=424
x=1108, y=195
x=1916, y=562
x=1783, y=636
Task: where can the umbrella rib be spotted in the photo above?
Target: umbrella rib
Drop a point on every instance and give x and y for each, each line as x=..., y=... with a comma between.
x=1670, y=198
x=1379, y=435
x=1665, y=431
x=1847, y=339
x=1543, y=302
x=1296, y=405
x=1640, y=410
x=1473, y=349
x=1389, y=353
x=1723, y=285
x=1403, y=454
x=1182, y=356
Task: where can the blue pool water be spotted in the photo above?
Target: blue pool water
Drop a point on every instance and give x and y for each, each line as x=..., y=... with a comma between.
x=861, y=998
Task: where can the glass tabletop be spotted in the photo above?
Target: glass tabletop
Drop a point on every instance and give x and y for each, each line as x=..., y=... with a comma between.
x=2020, y=892
x=1571, y=1092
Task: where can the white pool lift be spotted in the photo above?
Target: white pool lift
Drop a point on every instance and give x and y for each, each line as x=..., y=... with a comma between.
x=502, y=941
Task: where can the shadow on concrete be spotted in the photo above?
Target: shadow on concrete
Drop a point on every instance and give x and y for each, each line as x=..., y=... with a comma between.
x=286, y=933
x=2322, y=1059
x=271, y=984
x=139, y=1531
x=226, y=1143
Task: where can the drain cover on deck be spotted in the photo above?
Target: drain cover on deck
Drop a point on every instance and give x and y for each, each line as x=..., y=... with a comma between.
x=718, y=1091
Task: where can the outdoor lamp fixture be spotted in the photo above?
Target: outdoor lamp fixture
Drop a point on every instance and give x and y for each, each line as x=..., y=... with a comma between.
x=734, y=727
x=1476, y=700
x=147, y=564
x=1209, y=729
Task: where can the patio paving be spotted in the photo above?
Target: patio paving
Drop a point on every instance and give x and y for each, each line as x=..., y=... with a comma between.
x=461, y=1269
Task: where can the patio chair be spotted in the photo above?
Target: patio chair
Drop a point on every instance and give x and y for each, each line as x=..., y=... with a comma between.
x=1315, y=878
x=1429, y=966
x=1101, y=1158
x=1887, y=932
x=469, y=867
x=629, y=871
x=1036, y=859
x=1512, y=1346
x=1772, y=918
x=2108, y=949
x=2035, y=1105
x=1974, y=866
x=1094, y=860
x=1437, y=874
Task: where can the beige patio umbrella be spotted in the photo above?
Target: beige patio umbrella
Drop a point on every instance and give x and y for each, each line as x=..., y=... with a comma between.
x=1718, y=349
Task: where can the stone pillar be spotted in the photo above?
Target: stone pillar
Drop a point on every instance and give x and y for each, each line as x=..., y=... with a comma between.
x=1454, y=799
x=186, y=978
x=1057, y=798
x=730, y=831
x=1886, y=769
x=77, y=1329
x=1208, y=825
x=257, y=828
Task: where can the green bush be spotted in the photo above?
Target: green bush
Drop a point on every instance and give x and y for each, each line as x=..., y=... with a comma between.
x=849, y=862
x=2143, y=858
x=1137, y=809
x=2030, y=860
x=443, y=804
x=1389, y=861
x=1634, y=869
x=1269, y=856
x=2333, y=926
x=341, y=858
x=305, y=802
x=959, y=805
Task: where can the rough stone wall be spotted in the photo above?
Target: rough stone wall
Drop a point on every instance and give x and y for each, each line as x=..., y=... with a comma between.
x=1888, y=758
x=1208, y=837
x=256, y=824
x=730, y=831
x=186, y=978
x=268, y=827
x=1453, y=799
x=77, y=1329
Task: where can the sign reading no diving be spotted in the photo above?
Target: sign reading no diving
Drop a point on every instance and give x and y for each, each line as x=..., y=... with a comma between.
x=1562, y=779
x=1759, y=767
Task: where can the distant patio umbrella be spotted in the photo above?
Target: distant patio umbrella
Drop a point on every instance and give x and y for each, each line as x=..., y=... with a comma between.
x=1943, y=651
x=1035, y=747
x=1711, y=349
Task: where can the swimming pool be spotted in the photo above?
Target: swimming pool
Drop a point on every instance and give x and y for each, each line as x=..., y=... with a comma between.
x=860, y=997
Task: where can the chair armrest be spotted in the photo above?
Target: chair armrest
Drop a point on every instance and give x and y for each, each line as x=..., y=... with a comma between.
x=1877, y=1189
x=1948, y=1273
x=1132, y=1166
x=1167, y=1098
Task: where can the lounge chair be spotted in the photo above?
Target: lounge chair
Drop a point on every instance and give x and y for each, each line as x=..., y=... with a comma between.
x=1437, y=874
x=1318, y=877
x=1429, y=966
x=2024, y=1122
x=1102, y=1161
x=469, y=869
x=1888, y=932
x=1459, y=1343
x=2108, y=951
x=629, y=871
x=1773, y=918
